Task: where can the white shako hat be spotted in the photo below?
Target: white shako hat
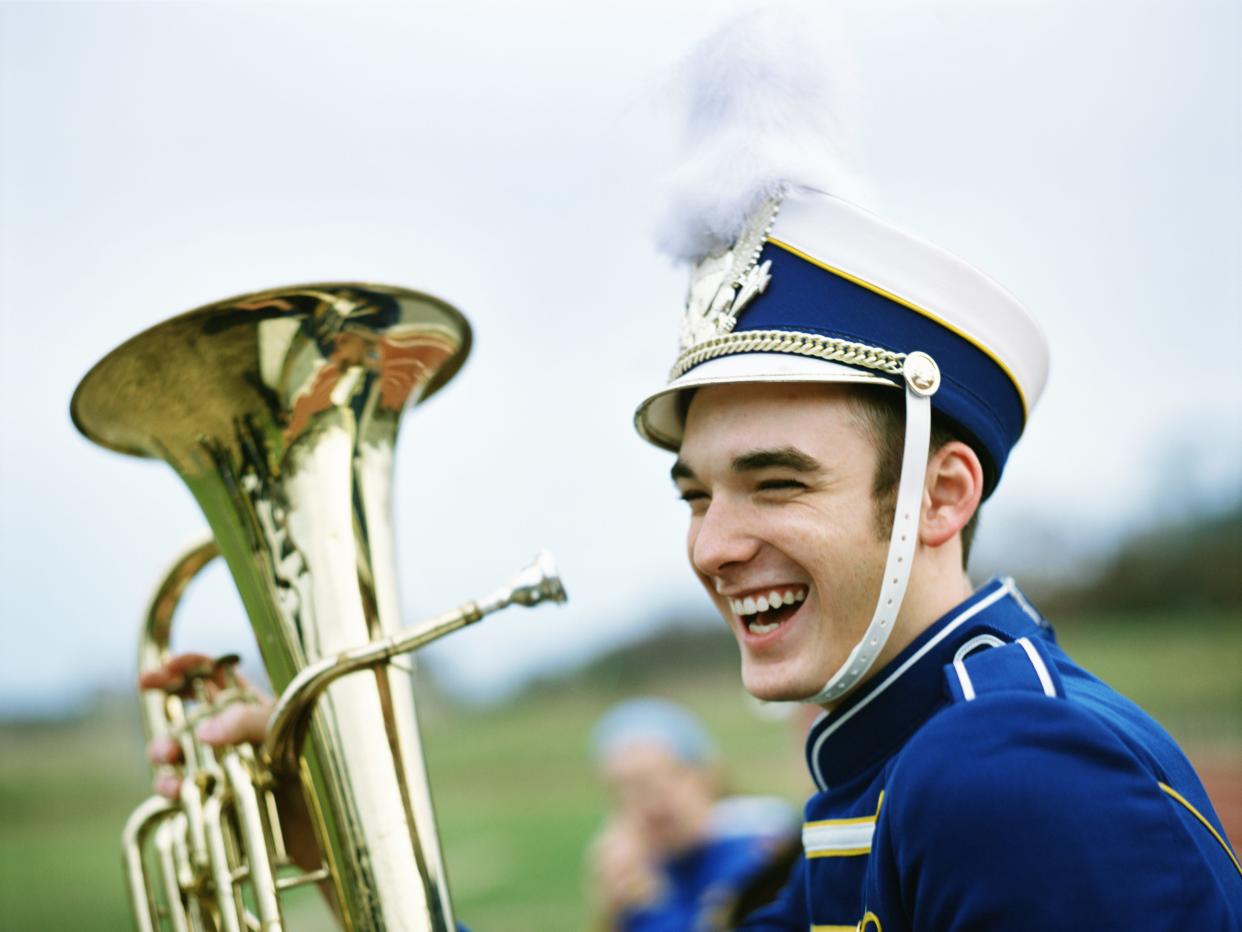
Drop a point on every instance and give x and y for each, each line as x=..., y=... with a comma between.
x=793, y=284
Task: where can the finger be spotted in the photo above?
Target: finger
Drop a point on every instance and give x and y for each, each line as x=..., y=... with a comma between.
x=173, y=672
x=238, y=724
x=168, y=785
x=164, y=751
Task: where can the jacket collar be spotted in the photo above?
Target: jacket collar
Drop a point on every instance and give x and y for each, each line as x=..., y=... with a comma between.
x=874, y=721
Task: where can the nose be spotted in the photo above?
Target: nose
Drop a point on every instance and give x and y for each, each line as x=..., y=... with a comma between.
x=719, y=539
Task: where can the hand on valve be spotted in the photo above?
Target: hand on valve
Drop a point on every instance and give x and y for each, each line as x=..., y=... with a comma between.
x=197, y=676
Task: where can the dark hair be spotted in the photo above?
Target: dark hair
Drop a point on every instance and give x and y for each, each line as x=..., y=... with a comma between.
x=882, y=415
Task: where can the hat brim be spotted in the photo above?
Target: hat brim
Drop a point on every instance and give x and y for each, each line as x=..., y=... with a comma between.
x=659, y=419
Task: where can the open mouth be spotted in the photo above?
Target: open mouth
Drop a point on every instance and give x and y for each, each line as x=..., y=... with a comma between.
x=764, y=612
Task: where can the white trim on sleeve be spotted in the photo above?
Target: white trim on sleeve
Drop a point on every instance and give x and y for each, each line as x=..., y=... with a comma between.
x=1045, y=679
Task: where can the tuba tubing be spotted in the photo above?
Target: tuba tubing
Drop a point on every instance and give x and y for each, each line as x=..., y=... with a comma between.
x=280, y=410
x=240, y=803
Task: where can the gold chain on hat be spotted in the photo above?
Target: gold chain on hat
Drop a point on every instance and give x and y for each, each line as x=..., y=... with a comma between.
x=788, y=341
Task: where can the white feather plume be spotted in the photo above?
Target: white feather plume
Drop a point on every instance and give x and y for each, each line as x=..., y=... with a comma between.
x=767, y=103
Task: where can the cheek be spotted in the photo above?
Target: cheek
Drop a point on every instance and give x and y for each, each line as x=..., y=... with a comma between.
x=842, y=528
x=827, y=555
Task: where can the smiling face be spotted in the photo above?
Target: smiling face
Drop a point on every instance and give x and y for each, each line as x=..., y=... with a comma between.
x=778, y=478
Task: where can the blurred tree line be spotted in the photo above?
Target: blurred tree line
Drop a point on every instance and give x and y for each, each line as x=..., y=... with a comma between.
x=1193, y=563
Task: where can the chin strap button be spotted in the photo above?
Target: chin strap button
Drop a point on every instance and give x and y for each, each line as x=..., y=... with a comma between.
x=921, y=374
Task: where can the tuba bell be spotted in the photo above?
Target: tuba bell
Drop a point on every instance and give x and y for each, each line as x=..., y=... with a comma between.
x=280, y=412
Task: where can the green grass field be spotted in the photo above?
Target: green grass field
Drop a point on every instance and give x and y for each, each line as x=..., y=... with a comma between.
x=514, y=791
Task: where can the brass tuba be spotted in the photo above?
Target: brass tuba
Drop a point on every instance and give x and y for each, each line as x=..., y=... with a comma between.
x=280, y=412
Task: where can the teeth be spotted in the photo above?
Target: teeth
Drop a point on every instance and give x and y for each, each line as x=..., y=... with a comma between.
x=763, y=629
x=774, y=599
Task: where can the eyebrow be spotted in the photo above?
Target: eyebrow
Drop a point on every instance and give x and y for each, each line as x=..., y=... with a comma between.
x=783, y=457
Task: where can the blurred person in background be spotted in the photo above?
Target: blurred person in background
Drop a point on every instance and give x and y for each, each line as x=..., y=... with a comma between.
x=674, y=855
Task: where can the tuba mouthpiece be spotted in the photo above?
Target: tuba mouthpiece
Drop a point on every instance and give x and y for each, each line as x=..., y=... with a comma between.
x=538, y=582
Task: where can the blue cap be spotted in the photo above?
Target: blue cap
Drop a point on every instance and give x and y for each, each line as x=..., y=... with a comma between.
x=816, y=289
x=657, y=721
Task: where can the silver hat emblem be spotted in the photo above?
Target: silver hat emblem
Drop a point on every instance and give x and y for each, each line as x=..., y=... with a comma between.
x=723, y=283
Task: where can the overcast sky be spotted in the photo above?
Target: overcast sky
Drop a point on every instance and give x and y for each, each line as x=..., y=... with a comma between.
x=507, y=157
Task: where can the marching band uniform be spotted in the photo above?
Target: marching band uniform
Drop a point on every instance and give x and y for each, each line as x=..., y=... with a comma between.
x=981, y=779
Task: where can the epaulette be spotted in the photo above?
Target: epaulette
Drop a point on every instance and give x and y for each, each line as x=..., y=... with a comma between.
x=1020, y=666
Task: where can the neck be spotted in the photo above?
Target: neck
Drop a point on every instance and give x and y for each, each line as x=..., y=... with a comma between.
x=935, y=587
x=937, y=583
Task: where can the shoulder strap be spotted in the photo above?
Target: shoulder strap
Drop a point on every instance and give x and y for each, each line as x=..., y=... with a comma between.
x=1022, y=666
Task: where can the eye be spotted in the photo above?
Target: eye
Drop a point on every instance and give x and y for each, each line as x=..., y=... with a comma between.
x=780, y=485
x=697, y=499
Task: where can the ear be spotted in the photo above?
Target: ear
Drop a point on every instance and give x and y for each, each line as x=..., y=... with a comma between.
x=952, y=492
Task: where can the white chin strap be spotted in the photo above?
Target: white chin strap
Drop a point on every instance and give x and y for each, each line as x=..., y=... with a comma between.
x=922, y=379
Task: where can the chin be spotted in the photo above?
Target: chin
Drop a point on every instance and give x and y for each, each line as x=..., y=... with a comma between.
x=770, y=686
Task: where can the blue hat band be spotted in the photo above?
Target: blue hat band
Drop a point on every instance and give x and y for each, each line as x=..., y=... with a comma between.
x=976, y=393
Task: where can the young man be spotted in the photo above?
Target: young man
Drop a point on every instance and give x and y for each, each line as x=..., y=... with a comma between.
x=844, y=397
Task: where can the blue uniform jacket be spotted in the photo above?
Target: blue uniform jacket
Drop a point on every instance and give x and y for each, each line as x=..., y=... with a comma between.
x=701, y=884
x=983, y=780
